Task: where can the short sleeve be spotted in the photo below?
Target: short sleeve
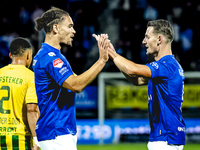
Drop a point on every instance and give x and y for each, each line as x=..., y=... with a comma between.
x=59, y=70
x=31, y=96
x=158, y=69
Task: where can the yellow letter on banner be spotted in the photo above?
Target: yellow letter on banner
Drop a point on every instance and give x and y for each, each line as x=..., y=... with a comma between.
x=191, y=96
x=125, y=96
x=122, y=96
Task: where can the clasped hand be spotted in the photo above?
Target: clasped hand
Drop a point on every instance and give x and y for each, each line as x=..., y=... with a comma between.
x=106, y=49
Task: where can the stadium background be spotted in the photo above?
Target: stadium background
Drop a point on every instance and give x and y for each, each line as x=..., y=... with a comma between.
x=125, y=23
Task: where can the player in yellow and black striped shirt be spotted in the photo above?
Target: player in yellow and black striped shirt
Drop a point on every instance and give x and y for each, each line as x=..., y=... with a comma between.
x=18, y=101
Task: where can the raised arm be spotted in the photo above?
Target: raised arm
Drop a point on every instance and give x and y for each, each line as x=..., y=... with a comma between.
x=137, y=74
x=78, y=83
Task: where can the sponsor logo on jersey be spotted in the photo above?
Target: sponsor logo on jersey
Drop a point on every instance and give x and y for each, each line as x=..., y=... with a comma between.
x=51, y=54
x=63, y=70
x=182, y=129
x=58, y=63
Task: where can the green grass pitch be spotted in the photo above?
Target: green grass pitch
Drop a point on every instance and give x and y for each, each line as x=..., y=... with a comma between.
x=128, y=146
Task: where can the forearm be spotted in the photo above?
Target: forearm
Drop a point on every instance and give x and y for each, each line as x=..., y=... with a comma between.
x=87, y=77
x=131, y=68
x=125, y=65
x=32, y=120
x=78, y=83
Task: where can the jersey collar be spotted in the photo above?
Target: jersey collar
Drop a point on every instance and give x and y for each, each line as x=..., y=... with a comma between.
x=50, y=48
x=166, y=57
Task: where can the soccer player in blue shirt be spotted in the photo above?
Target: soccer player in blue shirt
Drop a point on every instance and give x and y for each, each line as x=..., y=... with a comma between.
x=56, y=83
x=165, y=79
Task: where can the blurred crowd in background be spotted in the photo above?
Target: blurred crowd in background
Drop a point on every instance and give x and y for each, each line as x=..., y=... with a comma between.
x=17, y=19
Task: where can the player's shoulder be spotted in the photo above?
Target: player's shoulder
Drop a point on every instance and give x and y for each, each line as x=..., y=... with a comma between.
x=47, y=51
x=28, y=75
x=44, y=59
x=174, y=67
x=52, y=56
x=4, y=68
x=168, y=61
x=47, y=54
x=173, y=63
x=27, y=72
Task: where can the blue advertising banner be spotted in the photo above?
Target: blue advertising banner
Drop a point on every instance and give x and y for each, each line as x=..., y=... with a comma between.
x=87, y=98
x=89, y=131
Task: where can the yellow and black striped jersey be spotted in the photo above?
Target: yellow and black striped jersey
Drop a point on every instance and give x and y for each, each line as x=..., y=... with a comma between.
x=17, y=88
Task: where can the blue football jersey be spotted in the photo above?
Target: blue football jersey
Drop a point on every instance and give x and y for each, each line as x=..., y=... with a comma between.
x=165, y=92
x=56, y=104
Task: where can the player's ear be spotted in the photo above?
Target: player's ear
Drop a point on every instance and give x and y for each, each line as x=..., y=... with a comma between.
x=55, y=28
x=160, y=39
x=10, y=55
x=28, y=55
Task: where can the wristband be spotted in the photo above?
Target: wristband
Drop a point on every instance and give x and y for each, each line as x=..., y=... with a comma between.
x=36, y=141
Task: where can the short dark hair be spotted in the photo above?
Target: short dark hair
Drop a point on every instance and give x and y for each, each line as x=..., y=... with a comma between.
x=18, y=46
x=49, y=18
x=162, y=27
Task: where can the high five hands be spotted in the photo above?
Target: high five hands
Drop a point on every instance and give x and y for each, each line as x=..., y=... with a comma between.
x=106, y=49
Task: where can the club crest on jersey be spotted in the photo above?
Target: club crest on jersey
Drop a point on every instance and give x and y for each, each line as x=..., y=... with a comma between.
x=154, y=64
x=58, y=63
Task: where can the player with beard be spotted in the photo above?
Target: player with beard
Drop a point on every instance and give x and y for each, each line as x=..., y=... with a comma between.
x=56, y=83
